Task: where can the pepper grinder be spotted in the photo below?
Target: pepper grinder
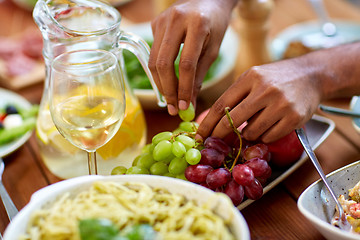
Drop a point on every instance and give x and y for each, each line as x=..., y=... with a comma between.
x=252, y=24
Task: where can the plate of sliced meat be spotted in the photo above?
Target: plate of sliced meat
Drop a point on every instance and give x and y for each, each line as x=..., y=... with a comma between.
x=21, y=61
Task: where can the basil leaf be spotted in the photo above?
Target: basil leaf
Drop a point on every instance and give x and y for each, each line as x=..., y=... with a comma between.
x=97, y=229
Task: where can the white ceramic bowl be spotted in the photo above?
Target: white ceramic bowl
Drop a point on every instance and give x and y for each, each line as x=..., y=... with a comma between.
x=211, y=89
x=191, y=191
x=316, y=204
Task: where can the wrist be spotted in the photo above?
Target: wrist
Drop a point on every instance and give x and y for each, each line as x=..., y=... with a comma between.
x=337, y=71
x=321, y=72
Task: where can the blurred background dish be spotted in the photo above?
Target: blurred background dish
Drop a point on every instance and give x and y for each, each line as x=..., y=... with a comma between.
x=355, y=106
x=316, y=204
x=8, y=97
x=305, y=37
x=222, y=205
x=222, y=70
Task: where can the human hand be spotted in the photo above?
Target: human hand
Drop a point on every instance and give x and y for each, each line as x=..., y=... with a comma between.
x=273, y=99
x=200, y=25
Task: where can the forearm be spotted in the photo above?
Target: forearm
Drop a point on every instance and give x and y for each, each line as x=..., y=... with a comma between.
x=335, y=71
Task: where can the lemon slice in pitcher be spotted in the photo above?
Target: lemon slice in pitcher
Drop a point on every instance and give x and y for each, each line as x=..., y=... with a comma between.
x=49, y=135
x=130, y=133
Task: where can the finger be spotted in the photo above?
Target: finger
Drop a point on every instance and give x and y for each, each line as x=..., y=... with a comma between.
x=239, y=114
x=158, y=33
x=244, y=105
x=230, y=98
x=277, y=131
x=168, y=52
x=204, y=64
x=194, y=44
x=286, y=125
x=261, y=122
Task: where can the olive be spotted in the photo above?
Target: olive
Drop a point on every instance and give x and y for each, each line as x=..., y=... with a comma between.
x=10, y=109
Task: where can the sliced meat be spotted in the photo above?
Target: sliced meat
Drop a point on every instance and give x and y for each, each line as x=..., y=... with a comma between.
x=19, y=64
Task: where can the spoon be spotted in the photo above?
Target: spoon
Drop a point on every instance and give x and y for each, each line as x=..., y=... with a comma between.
x=8, y=203
x=343, y=223
x=339, y=111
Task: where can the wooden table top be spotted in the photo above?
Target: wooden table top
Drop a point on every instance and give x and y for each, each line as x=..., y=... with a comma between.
x=275, y=215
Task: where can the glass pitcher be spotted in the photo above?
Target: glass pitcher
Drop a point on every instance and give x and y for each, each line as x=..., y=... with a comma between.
x=68, y=25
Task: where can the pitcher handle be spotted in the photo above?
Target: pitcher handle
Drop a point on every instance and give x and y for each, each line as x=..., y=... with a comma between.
x=141, y=50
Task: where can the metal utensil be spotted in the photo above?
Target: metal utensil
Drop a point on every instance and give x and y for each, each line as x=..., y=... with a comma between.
x=343, y=223
x=339, y=111
x=8, y=203
x=328, y=28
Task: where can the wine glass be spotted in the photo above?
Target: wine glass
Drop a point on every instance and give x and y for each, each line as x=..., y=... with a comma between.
x=87, y=99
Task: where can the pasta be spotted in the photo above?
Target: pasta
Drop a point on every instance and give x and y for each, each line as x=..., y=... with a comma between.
x=128, y=204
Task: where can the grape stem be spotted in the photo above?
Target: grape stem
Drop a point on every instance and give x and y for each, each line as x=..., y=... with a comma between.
x=237, y=133
x=192, y=135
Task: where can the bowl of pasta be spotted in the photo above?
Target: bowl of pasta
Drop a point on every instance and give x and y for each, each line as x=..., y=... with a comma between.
x=124, y=206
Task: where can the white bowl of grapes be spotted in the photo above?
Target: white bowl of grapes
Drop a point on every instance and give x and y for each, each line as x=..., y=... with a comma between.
x=218, y=78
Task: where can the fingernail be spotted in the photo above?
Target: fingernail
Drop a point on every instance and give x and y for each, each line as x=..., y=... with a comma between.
x=171, y=109
x=198, y=137
x=182, y=105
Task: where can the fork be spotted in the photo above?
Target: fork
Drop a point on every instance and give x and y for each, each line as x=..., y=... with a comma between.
x=8, y=203
x=343, y=222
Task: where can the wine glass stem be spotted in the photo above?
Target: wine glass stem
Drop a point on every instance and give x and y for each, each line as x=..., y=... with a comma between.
x=92, y=164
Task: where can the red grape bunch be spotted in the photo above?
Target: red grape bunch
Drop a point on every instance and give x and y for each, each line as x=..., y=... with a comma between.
x=222, y=169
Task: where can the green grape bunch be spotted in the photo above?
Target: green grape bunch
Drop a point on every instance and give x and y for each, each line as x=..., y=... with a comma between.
x=169, y=153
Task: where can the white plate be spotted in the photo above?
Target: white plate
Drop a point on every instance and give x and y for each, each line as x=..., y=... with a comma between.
x=355, y=106
x=8, y=97
x=316, y=204
x=307, y=31
x=317, y=130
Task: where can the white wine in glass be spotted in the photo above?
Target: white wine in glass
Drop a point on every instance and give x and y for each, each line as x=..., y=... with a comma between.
x=87, y=99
